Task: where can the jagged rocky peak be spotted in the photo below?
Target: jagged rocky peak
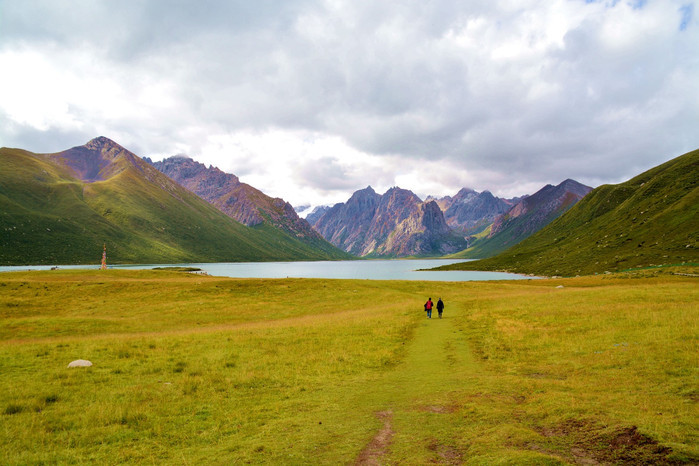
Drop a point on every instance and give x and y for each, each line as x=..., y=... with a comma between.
x=364, y=198
x=96, y=160
x=183, y=159
x=396, y=223
x=102, y=143
x=195, y=175
x=401, y=193
x=470, y=211
x=443, y=202
x=541, y=208
x=240, y=201
x=575, y=187
x=465, y=193
x=317, y=213
x=398, y=203
x=362, y=194
x=433, y=217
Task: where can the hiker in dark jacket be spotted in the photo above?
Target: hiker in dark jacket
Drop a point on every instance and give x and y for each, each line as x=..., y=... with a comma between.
x=440, y=307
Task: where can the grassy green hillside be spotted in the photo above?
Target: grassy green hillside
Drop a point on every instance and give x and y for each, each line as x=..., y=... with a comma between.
x=592, y=370
x=652, y=219
x=49, y=217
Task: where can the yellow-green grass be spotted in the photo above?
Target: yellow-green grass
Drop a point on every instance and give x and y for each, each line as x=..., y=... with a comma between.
x=192, y=369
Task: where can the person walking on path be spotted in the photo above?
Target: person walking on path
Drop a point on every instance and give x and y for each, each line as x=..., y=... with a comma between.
x=428, y=308
x=440, y=307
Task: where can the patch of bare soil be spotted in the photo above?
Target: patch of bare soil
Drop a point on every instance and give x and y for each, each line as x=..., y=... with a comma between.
x=588, y=443
x=439, y=409
x=378, y=447
x=447, y=454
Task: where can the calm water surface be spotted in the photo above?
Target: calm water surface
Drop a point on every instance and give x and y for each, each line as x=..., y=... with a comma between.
x=359, y=269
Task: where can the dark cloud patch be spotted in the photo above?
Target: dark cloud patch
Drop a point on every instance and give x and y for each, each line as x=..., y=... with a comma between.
x=40, y=140
x=143, y=29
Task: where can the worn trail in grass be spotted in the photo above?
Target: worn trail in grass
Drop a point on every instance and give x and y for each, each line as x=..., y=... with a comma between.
x=414, y=401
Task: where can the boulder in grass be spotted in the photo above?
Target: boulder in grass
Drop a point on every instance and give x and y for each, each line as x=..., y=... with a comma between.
x=80, y=363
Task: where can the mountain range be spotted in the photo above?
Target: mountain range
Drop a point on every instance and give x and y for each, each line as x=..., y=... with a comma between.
x=525, y=218
x=151, y=212
x=61, y=208
x=470, y=212
x=399, y=224
x=395, y=224
x=650, y=220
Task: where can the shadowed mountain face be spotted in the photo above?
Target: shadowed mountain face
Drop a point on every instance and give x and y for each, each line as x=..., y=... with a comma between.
x=240, y=201
x=61, y=208
x=535, y=211
x=539, y=209
x=395, y=224
x=528, y=216
x=470, y=211
x=317, y=212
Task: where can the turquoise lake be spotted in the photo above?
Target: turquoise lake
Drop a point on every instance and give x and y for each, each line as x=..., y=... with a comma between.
x=359, y=269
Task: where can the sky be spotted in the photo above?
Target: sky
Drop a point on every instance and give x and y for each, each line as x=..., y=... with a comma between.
x=311, y=100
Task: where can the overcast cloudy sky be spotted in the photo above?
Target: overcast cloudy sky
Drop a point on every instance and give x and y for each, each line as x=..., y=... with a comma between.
x=310, y=100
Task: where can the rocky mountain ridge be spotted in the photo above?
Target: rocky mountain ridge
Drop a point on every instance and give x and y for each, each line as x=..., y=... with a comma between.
x=528, y=216
x=540, y=205
x=396, y=223
x=240, y=201
x=399, y=224
x=469, y=212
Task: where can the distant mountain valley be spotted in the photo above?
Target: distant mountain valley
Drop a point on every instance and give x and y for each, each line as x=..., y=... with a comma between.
x=394, y=224
x=61, y=208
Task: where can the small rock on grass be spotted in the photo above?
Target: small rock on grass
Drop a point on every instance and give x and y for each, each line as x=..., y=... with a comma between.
x=80, y=363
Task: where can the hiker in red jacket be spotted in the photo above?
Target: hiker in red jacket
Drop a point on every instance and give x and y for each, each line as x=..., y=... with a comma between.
x=428, y=308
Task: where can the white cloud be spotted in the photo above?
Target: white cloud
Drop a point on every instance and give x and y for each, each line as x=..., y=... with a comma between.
x=310, y=99
x=296, y=165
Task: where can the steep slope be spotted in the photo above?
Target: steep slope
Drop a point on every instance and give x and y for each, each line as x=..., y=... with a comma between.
x=527, y=217
x=652, y=219
x=395, y=224
x=435, y=236
x=346, y=224
x=243, y=202
x=61, y=208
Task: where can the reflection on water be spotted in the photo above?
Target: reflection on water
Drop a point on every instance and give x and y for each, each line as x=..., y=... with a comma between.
x=358, y=269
